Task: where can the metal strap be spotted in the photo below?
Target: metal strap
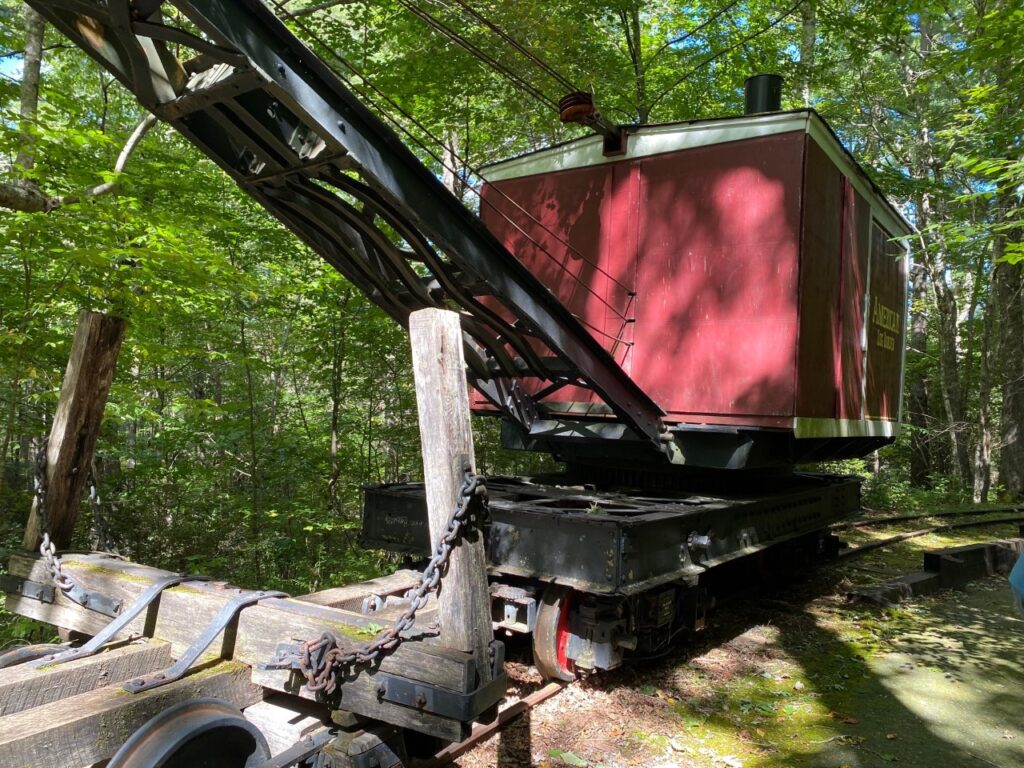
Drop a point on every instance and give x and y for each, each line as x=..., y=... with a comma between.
x=27, y=653
x=464, y=707
x=301, y=750
x=225, y=616
x=109, y=632
x=94, y=601
x=15, y=585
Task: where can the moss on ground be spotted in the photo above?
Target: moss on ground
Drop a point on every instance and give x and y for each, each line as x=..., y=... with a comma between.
x=806, y=688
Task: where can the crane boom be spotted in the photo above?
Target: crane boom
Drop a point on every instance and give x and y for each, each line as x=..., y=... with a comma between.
x=282, y=124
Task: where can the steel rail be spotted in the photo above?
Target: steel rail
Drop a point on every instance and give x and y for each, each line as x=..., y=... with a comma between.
x=859, y=550
x=481, y=733
x=872, y=522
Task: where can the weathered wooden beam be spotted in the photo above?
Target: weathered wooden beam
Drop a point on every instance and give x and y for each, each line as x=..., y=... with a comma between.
x=352, y=595
x=87, y=728
x=284, y=720
x=183, y=611
x=23, y=687
x=442, y=401
x=76, y=424
x=360, y=695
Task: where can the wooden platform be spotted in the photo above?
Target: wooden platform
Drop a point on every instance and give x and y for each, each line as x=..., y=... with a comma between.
x=62, y=715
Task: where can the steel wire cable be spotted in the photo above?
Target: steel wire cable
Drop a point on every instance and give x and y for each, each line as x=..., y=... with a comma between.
x=312, y=35
x=699, y=28
x=476, y=51
x=718, y=54
x=449, y=32
x=558, y=77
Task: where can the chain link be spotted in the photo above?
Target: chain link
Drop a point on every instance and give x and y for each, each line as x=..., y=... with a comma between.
x=322, y=659
x=102, y=539
x=47, y=549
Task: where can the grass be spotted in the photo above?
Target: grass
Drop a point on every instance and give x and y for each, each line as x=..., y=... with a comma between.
x=813, y=695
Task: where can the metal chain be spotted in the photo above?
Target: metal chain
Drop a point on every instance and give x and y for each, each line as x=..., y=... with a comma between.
x=47, y=549
x=102, y=540
x=320, y=660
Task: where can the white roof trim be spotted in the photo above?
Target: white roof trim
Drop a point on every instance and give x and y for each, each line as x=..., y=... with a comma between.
x=671, y=137
x=817, y=428
x=646, y=141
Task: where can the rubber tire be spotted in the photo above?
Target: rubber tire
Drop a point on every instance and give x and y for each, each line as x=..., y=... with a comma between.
x=556, y=601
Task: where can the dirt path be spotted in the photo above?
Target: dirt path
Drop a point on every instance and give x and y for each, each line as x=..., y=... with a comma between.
x=802, y=678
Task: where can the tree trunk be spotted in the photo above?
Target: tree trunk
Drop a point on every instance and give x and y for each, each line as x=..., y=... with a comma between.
x=808, y=38
x=451, y=173
x=934, y=261
x=31, y=66
x=1009, y=296
x=917, y=385
x=256, y=521
x=928, y=167
x=1008, y=280
x=983, y=449
x=338, y=350
x=76, y=425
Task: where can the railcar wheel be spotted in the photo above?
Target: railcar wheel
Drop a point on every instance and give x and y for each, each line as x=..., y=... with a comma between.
x=551, y=635
x=200, y=733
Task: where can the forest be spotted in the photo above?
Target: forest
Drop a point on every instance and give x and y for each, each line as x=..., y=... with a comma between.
x=257, y=391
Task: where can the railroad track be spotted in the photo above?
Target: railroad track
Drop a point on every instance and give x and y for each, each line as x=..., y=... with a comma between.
x=983, y=523
x=481, y=733
x=890, y=519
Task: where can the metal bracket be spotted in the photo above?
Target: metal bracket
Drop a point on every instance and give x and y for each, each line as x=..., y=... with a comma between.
x=94, y=601
x=46, y=593
x=464, y=707
x=301, y=750
x=16, y=585
x=224, y=616
x=513, y=608
x=109, y=632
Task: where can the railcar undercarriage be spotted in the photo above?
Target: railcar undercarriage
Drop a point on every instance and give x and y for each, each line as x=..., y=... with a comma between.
x=598, y=576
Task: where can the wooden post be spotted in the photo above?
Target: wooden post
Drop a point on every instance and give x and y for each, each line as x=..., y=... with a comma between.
x=442, y=400
x=76, y=424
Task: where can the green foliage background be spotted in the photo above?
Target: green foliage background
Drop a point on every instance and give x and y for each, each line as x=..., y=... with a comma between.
x=243, y=349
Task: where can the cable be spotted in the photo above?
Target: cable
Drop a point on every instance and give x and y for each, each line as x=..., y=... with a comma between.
x=724, y=51
x=699, y=28
x=563, y=81
x=475, y=50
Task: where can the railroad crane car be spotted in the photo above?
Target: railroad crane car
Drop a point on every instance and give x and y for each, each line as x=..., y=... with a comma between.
x=680, y=313
x=751, y=279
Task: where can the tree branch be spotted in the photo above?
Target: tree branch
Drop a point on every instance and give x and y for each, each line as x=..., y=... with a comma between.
x=28, y=199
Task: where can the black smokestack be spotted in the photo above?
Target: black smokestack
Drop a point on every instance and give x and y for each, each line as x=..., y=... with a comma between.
x=763, y=93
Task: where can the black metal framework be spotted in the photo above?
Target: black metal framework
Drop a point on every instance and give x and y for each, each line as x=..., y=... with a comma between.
x=275, y=117
x=604, y=542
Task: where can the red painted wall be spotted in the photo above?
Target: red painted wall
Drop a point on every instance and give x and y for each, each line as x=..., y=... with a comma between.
x=728, y=280
x=886, y=326
x=717, y=278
